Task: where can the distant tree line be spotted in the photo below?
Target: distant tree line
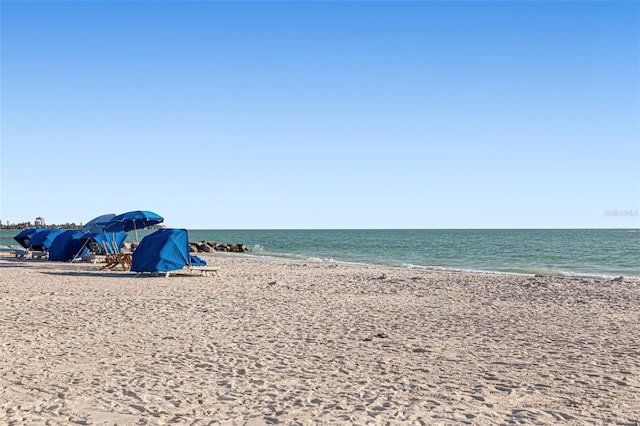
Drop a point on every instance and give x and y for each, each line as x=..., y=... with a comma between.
x=25, y=225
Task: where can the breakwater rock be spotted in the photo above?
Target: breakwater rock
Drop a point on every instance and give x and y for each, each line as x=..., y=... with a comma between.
x=201, y=247
x=211, y=246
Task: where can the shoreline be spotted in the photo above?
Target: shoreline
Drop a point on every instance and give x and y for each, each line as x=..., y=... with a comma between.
x=301, y=259
x=314, y=343
x=285, y=258
x=289, y=258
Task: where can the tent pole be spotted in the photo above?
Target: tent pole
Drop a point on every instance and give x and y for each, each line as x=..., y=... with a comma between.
x=79, y=251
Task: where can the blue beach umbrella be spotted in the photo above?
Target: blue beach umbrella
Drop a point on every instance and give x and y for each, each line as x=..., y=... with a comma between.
x=132, y=221
x=97, y=224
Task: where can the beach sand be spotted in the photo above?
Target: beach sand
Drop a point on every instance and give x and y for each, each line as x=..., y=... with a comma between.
x=314, y=343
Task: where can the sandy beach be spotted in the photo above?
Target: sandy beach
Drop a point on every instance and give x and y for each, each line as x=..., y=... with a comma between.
x=314, y=343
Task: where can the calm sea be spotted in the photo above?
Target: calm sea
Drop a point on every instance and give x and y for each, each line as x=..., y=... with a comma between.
x=571, y=252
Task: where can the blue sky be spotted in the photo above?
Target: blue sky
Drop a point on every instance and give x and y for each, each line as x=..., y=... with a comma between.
x=242, y=115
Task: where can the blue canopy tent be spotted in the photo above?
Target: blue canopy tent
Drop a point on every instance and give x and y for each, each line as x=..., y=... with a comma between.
x=67, y=246
x=43, y=239
x=25, y=235
x=162, y=251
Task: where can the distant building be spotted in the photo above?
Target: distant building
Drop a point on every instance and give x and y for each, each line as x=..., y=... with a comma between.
x=39, y=222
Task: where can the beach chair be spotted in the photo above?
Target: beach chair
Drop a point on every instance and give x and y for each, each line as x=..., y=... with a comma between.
x=18, y=252
x=195, y=264
x=94, y=251
x=39, y=254
x=21, y=253
x=203, y=271
x=114, y=256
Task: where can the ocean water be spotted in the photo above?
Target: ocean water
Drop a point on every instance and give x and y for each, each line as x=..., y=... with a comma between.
x=566, y=252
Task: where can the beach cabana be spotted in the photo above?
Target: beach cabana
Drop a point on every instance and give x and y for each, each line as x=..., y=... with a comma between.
x=42, y=240
x=162, y=251
x=167, y=250
x=25, y=235
x=67, y=246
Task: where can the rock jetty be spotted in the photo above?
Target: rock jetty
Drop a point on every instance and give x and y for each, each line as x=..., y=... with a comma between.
x=202, y=247
x=211, y=246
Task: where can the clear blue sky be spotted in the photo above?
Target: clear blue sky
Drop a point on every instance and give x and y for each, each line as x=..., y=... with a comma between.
x=241, y=115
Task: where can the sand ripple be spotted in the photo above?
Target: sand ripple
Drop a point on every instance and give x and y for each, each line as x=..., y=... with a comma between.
x=269, y=343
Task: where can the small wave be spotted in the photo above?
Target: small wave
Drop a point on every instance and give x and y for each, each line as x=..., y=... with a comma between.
x=458, y=270
x=260, y=251
x=516, y=271
x=288, y=257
